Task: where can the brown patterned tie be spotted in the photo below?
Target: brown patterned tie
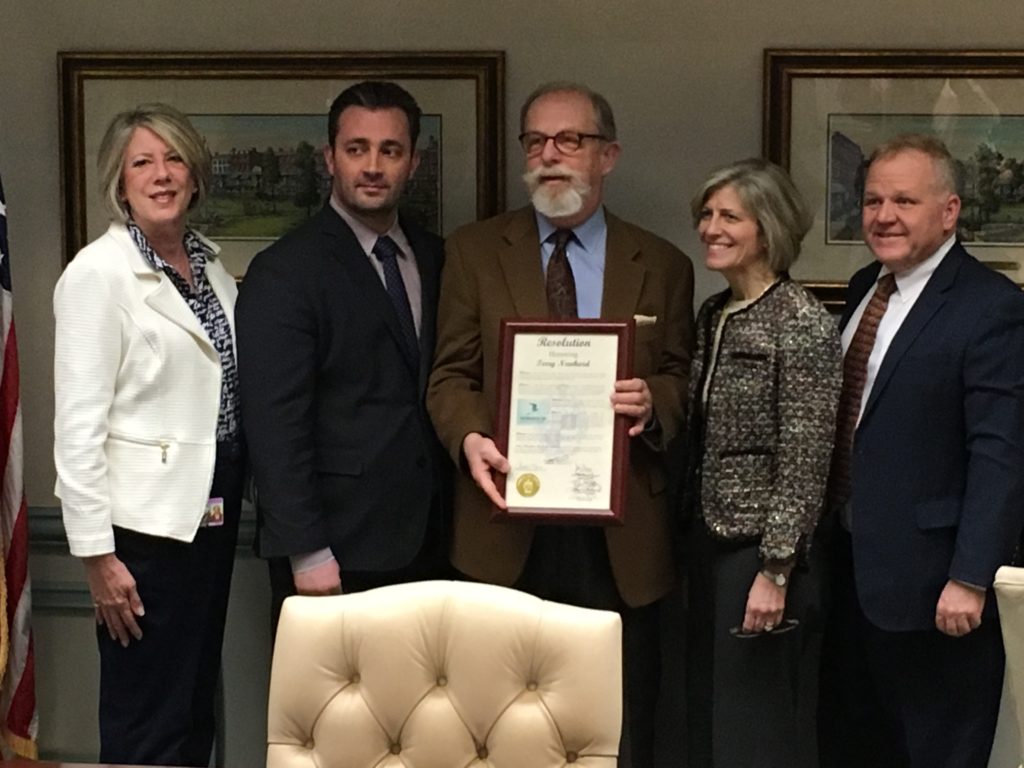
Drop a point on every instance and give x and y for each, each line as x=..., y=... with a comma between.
x=855, y=375
x=561, y=285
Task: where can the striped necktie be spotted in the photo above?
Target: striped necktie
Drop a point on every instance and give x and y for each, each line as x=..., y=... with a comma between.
x=386, y=251
x=855, y=376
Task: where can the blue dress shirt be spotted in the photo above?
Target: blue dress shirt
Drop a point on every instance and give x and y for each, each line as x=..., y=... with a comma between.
x=586, y=257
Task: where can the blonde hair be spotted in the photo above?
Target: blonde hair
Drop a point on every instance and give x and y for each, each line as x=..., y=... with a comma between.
x=176, y=131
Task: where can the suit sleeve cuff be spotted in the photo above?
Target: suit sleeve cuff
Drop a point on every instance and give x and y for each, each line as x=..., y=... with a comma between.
x=652, y=434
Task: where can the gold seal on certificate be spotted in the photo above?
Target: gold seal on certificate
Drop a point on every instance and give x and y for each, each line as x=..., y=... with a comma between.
x=528, y=484
x=556, y=421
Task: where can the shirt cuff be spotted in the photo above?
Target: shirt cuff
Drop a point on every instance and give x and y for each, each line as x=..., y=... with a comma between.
x=968, y=584
x=310, y=560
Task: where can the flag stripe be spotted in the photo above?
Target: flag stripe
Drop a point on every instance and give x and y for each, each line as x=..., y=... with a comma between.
x=16, y=562
x=19, y=723
x=9, y=382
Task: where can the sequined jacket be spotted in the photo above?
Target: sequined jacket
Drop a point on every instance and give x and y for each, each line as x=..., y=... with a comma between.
x=761, y=445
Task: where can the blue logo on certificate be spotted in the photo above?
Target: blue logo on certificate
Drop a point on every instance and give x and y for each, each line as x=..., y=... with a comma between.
x=532, y=411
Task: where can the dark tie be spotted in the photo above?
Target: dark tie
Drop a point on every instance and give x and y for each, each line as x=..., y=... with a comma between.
x=386, y=251
x=855, y=375
x=561, y=286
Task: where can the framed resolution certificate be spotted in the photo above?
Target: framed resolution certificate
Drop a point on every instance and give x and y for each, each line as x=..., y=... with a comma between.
x=566, y=448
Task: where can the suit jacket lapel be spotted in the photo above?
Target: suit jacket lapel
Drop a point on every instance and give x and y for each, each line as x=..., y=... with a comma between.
x=160, y=294
x=165, y=299
x=344, y=246
x=623, y=272
x=524, y=274
x=519, y=258
x=862, y=282
x=928, y=303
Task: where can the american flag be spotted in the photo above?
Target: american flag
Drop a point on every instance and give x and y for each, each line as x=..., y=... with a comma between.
x=18, y=720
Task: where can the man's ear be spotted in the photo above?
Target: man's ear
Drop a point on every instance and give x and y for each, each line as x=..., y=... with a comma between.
x=609, y=156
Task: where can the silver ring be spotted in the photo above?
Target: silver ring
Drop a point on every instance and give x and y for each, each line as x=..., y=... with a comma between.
x=769, y=627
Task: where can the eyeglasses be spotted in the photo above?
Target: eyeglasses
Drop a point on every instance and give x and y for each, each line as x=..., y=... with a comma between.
x=566, y=142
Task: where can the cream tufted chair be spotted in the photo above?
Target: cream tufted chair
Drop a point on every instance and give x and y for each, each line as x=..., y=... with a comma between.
x=442, y=674
x=1009, y=588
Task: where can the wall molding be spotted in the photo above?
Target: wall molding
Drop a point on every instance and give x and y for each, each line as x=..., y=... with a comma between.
x=61, y=597
x=46, y=531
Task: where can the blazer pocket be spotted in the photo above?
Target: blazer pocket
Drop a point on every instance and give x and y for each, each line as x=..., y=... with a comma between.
x=647, y=334
x=647, y=346
x=338, y=461
x=744, y=479
x=939, y=513
x=749, y=355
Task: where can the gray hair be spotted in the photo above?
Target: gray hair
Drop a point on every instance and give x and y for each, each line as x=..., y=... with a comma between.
x=603, y=116
x=171, y=126
x=932, y=146
x=771, y=197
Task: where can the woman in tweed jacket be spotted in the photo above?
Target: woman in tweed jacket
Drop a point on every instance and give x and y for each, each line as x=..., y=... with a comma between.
x=764, y=388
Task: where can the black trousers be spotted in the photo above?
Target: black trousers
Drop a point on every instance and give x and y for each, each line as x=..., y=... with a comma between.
x=431, y=562
x=751, y=699
x=916, y=699
x=157, y=695
x=569, y=564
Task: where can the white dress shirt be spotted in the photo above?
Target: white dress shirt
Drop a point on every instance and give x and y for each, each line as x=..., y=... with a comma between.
x=909, y=285
x=406, y=258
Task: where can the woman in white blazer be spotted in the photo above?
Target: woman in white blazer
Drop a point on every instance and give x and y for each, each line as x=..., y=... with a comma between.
x=148, y=442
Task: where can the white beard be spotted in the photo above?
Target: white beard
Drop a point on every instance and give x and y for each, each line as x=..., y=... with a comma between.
x=556, y=203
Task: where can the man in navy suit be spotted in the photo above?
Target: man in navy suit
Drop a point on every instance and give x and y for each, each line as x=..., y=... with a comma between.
x=335, y=341
x=931, y=496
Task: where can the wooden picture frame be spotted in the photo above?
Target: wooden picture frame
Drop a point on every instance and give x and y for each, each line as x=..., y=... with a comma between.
x=824, y=110
x=461, y=91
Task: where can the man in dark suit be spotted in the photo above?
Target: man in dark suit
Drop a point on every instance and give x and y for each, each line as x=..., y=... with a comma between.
x=928, y=479
x=336, y=325
x=504, y=267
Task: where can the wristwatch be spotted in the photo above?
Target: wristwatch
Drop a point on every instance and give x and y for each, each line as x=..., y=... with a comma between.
x=778, y=579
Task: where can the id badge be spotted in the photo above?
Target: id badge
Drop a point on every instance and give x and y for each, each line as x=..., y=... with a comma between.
x=214, y=515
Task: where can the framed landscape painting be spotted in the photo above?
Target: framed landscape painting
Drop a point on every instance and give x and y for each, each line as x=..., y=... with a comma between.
x=264, y=117
x=824, y=112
